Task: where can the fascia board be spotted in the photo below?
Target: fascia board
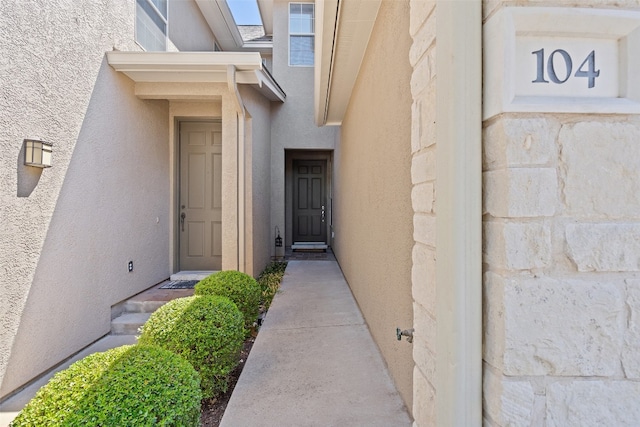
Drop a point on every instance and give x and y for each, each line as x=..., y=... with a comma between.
x=220, y=20
x=346, y=38
x=266, y=14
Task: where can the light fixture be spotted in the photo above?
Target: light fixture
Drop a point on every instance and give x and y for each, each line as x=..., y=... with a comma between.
x=37, y=153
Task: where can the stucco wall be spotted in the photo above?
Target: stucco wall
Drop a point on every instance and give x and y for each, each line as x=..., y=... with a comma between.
x=188, y=30
x=373, y=213
x=68, y=232
x=258, y=183
x=292, y=125
x=562, y=277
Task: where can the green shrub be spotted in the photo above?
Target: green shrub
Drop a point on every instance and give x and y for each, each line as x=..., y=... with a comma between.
x=205, y=330
x=269, y=281
x=239, y=287
x=124, y=386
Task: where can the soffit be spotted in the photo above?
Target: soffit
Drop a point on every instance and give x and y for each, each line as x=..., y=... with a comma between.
x=197, y=67
x=343, y=29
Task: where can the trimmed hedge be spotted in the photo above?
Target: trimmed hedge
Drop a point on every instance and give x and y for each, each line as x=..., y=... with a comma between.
x=125, y=386
x=239, y=287
x=205, y=330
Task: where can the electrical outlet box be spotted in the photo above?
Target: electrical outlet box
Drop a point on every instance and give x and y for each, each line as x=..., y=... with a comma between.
x=130, y=266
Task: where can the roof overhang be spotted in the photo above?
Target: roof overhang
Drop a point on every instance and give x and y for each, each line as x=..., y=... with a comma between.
x=266, y=13
x=220, y=19
x=343, y=29
x=197, y=67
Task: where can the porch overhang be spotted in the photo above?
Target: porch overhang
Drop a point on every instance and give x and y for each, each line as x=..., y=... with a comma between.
x=197, y=67
x=343, y=29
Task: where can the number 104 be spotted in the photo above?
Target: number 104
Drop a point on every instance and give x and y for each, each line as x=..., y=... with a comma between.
x=586, y=69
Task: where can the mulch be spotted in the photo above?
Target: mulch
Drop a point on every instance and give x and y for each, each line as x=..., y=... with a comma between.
x=213, y=409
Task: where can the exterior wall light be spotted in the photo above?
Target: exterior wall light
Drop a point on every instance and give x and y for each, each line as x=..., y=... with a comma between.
x=37, y=153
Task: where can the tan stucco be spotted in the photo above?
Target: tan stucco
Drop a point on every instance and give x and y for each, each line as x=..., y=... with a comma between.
x=69, y=231
x=373, y=213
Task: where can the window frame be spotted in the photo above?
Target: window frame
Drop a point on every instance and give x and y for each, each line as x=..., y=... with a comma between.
x=159, y=14
x=312, y=34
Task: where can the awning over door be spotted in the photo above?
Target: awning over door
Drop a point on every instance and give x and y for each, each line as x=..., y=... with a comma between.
x=197, y=67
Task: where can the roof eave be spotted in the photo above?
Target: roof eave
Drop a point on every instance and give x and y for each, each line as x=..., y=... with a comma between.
x=343, y=30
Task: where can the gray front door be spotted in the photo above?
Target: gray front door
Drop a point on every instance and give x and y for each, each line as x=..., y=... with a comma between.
x=200, y=210
x=309, y=201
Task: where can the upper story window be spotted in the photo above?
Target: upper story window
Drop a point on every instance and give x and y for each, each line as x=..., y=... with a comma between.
x=301, y=34
x=151, y=24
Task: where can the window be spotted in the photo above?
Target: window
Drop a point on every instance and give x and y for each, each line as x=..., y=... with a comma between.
x=301, y=34
x=151, y=24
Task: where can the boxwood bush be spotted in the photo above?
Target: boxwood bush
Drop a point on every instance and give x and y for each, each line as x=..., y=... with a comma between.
x=124, y=386
x=239, y=287
x=205, y=330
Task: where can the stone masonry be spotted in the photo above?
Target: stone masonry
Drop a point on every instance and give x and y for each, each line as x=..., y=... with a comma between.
x=423, y=174
x=561, y=206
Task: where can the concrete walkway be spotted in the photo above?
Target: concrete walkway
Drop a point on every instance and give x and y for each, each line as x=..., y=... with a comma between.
x=314, y=362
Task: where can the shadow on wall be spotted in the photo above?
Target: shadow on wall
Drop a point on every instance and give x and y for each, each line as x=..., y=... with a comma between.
x=112, y=207
x=28, y=176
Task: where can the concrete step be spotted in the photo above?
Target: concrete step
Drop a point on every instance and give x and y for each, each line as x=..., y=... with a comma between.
x=139, y=306
x=309, y=246
x=128, y=323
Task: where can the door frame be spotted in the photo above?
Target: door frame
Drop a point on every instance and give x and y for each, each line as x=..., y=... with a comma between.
x=290, y=156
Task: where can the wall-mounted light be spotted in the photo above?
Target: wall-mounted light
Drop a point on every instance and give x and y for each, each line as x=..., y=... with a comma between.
x=37, y=153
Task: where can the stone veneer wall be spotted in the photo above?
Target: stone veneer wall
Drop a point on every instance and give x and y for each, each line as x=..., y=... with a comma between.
x=562, y=264
x=561, y=255
x=423, y=172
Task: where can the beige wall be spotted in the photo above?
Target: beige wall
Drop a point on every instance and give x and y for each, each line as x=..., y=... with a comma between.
x=373, y=213
x=188, y=30
x=258, y=182
x=292, y=125
x=69, y=231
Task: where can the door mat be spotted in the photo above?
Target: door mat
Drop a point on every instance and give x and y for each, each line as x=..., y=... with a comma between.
x=179, y=284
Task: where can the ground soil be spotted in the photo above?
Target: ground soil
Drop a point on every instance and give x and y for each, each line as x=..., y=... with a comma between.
x=213, y=409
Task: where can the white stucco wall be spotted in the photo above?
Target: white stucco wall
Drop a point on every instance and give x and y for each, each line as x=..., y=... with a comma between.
x=68, y=232
x=292, y=125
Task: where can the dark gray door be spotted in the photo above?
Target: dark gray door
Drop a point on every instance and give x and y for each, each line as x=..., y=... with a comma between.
x=309, y=201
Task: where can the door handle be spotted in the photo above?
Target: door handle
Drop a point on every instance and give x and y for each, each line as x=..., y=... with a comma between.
x=182, y=217
x=322, y=213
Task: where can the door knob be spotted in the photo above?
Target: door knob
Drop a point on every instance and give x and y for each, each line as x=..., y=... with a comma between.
x=182, y=217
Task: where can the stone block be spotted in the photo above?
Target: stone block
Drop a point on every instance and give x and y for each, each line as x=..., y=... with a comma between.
x=593, y=403
x=424, y=229
x=425, y=327
x=424, y=401
x=423, y=277
x=425, y=358
x=423, y=167
x=604, y=247
x=421, y=76
x=493, y=318
x=422, y=197
x=507, y=402
x=564, y=327
x=420, y=11
x=517, y=246
x=520, y=192
x=422, y=41
x=631, y=344
x=512, y=142
x=601, y=165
